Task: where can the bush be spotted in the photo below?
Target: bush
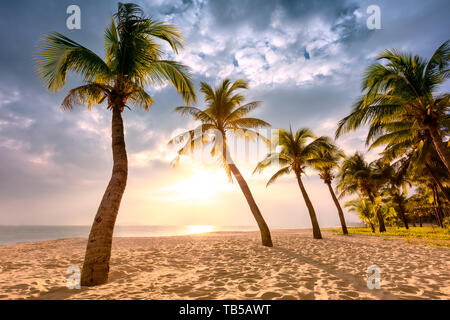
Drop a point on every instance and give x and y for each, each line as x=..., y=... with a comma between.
x=446, y=222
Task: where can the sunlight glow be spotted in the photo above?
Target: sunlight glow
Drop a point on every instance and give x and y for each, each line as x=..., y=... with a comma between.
x=199, y=229
x=201, y=187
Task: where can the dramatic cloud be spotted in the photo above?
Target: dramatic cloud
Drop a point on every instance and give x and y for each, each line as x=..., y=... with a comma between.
x=304, y=59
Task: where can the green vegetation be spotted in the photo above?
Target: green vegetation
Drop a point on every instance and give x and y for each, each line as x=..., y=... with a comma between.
x=429, y=235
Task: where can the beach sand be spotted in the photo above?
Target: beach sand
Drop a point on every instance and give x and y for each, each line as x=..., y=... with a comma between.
x=232, y=266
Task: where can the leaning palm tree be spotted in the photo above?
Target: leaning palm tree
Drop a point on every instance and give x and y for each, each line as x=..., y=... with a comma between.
x=132, y=62
x=405, y=88
x=295, y=156
x=224, y=116
x=325, y=161
x=356, y=175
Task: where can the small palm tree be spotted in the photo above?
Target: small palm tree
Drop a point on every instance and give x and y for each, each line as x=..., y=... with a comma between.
x=295, y=156
x=132, y=61
x=225, y=115
x=357, y=175
x=364, y=209
x=326, y=161
x=405, y=88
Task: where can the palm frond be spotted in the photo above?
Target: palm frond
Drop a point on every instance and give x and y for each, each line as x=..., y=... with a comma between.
x=279, y=173
x=89, y=94
x=196, y=113
x=243, y=110
x=177, y=73
x=164, y=31
x=141, y=98
x=58, y=55
x=250, y=123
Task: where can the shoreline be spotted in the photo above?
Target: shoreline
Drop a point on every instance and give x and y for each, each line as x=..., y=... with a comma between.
x=224, y=265
x=221, y=229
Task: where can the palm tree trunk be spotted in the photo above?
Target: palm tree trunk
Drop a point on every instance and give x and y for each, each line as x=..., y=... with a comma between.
x=381, y=225
x=372, y=227
x=312, y=214
x=338, y=206
x=435, y=205
x=440, y=211
x=98, y=252
x=402, y=212
x=438, y=181
x=440, y=146
x=266, y=238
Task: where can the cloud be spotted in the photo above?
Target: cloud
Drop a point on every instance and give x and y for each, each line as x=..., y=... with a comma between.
x=304, y=59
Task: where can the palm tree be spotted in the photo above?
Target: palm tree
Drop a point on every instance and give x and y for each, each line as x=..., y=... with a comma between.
x=325, y=161
x=405, y=88
x=395, y=186
x=225, y=115
x=424, y=178
x=295, y=156
x=132, y=62
x=357, y=175
x=412, y=149
x=364, y=209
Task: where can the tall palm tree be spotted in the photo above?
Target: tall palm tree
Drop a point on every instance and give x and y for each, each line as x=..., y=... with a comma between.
x=325, y=161
x=225, y=115
x=357, y=175
x=364, y=209
x=406, y=87
x=132, y=62
x=295, y=156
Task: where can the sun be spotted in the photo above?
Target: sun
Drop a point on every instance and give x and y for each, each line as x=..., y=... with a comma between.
x=199, y=229
x=202, y=186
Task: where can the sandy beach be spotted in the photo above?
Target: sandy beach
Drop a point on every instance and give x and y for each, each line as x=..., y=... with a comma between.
x=232, y=266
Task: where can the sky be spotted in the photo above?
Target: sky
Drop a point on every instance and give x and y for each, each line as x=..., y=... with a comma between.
x=304, y=59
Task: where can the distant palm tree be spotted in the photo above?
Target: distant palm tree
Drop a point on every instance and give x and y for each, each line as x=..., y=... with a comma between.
x=132, y=61
x=395, y=187
x=364, y=209
x=405, y=88
x=295, y=156
x=325, y=161
x=357, y=175
x=412, y=149
x=225, y=115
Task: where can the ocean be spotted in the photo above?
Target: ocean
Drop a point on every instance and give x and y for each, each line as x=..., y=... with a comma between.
x=20, y=234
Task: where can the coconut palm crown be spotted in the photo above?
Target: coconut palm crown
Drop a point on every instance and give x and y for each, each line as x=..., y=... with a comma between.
x=296, y=153
x=358, y=176
x=406, y=87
